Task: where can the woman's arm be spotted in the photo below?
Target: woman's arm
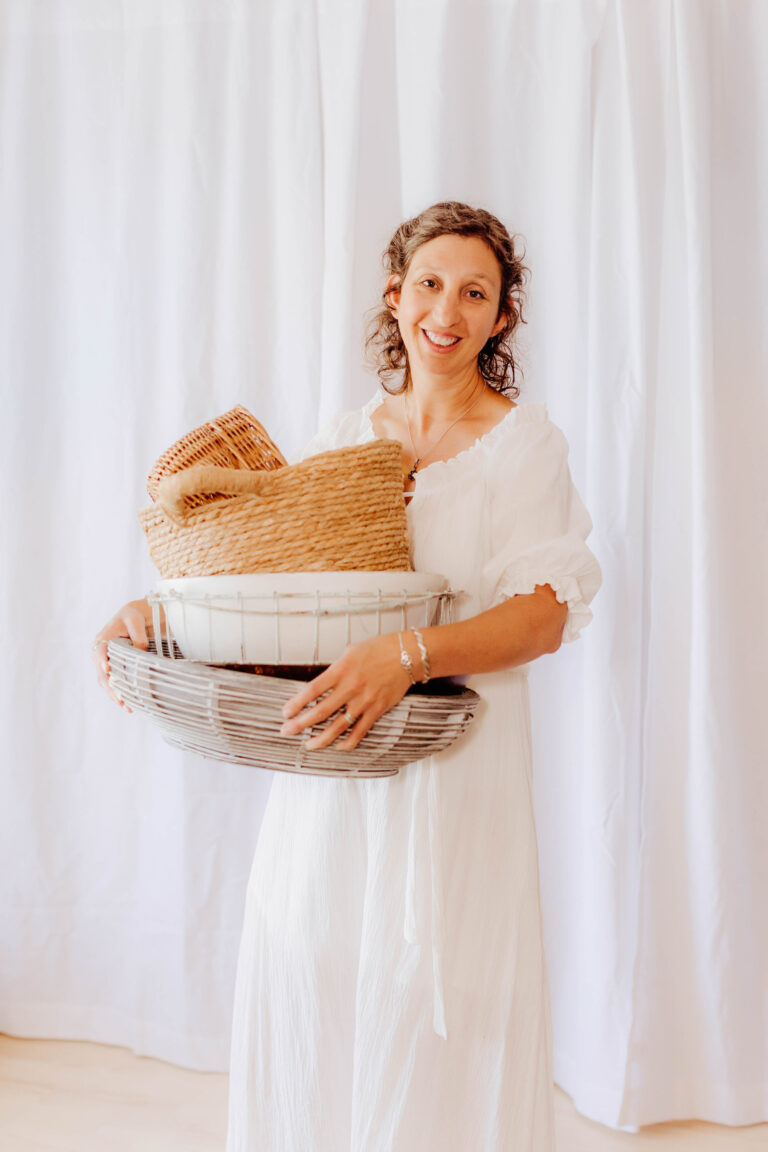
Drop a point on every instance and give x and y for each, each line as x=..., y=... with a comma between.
x=368, y=679
x=514, y=632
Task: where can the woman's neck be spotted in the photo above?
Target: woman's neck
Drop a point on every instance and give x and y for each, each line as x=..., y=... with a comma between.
x=439, y=400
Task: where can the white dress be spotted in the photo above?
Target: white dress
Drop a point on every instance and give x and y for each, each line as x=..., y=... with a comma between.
x=391, y=990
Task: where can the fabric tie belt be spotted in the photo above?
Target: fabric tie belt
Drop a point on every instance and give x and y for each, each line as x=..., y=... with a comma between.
x=424, y=878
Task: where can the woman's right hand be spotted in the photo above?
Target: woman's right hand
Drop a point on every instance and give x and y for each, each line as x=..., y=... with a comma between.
x=131, y=621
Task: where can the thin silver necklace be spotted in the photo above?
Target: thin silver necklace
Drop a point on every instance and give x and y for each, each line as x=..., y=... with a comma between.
x=418, y=460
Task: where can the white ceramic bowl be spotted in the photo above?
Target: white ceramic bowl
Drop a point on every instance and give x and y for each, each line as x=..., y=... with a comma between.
x=295, y=617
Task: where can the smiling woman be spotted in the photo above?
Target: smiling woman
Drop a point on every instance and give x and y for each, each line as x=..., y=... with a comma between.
x=391, y=989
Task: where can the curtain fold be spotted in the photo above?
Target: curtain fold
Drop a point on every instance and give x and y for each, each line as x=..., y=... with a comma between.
x=194, y=199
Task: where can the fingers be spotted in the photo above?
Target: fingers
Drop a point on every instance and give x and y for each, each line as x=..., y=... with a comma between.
x=358, y=730
x=339, y=726
x=106, y=683
x=99, y=655
x=104, y=678
x=127, y=623
x=336, y=708
x=136, y=627
x=321, y=711
x=338, y=703
x=363, y=683
x=308, y=694
x=311, y=694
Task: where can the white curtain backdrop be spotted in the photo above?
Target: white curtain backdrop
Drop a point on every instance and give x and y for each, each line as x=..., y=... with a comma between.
x=194, y=197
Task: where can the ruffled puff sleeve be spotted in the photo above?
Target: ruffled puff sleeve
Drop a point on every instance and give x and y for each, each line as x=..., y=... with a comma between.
x=539, y=525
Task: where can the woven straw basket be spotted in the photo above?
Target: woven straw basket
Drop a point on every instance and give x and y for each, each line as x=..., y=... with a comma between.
x=233, y=440
x=338, y=511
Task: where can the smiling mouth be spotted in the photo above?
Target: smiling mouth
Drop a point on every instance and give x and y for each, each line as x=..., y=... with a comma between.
x=441, y=342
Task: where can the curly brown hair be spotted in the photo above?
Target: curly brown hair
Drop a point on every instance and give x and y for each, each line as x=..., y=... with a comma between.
x=496, y=362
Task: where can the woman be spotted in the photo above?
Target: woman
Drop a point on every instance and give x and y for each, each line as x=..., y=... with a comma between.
x=391, y=989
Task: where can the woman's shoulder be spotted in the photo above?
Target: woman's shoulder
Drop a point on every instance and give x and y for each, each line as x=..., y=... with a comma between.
x=527, y=422
x=525, y=440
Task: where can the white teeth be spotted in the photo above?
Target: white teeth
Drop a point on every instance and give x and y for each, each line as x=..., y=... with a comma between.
x=443, y=341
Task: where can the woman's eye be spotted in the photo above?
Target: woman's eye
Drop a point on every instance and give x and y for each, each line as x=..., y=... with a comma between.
x=428, y=281
x=477, y=293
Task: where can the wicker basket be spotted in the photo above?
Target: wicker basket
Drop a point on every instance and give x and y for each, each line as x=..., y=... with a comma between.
x=233, y=440
x=338, y=511
x=236, y=716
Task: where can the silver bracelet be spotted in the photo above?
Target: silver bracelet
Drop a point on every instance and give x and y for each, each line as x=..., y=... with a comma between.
x=405, y=659
x=423, y=652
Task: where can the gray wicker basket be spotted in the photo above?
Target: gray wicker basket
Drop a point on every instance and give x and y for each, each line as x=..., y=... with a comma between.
x=236, y=716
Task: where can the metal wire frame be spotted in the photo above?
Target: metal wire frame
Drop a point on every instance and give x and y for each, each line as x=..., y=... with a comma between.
x=438, y=609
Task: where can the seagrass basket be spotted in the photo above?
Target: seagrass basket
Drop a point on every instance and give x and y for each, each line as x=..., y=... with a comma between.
x=341, y=510
x=235, y=439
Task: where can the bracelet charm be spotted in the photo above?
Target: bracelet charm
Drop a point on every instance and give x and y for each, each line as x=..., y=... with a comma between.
x=405, y=658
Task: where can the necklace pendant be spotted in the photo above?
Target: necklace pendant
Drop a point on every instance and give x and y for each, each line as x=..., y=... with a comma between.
x=412, y=473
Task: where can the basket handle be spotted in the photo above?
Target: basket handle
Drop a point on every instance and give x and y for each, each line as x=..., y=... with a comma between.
x=231, y=441
x=204, y=480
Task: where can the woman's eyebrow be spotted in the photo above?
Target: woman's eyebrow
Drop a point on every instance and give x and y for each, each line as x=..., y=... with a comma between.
x=472, y=276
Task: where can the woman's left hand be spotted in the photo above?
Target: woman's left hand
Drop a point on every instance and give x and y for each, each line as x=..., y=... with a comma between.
x=364, y=683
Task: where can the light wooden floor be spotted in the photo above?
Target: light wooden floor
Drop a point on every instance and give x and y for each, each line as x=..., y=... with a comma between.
x=75, y=1097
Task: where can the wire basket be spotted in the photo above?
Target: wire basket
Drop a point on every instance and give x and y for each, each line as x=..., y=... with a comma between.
x=234, y=440
x=236, y=716
x=294, y=618
x=339, y=510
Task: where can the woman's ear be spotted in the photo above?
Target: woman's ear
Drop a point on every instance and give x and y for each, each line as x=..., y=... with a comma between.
x=500, y=323
x=392, y=294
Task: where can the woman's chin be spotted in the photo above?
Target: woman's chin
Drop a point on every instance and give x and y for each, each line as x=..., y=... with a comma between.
x=440, y=365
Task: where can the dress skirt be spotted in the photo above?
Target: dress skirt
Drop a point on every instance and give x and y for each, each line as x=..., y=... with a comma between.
x=391, y=990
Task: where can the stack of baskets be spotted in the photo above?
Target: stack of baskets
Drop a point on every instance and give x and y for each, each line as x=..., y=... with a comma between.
x=230, y=519
x=226, y=502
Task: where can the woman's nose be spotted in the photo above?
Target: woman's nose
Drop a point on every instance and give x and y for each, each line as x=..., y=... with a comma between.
x=445, y=310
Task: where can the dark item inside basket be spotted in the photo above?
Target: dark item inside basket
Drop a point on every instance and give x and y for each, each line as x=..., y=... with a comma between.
x=437, y=687
x=440, y=686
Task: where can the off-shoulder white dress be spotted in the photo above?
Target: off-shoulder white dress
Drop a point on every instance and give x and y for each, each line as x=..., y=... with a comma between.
x=392, y=990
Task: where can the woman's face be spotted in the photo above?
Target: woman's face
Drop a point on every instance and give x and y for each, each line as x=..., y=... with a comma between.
x=448, y=304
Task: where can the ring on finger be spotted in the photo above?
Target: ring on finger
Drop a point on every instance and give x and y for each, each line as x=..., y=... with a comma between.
x=350, y=719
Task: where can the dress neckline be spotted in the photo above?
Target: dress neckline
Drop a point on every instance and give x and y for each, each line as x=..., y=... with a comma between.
x=530, y=410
